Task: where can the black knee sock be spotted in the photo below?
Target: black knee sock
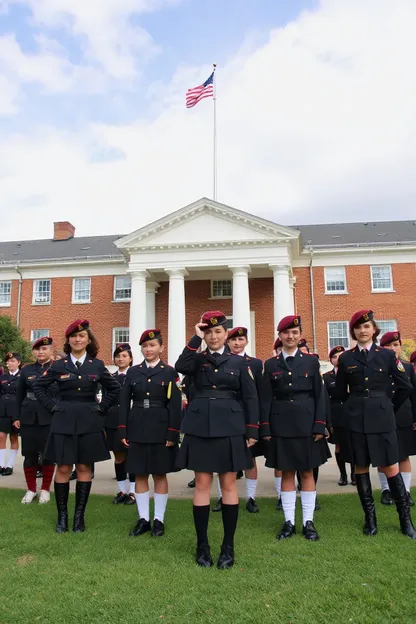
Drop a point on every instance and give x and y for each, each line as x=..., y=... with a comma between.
x=316, y=474
x=229, y=521
x=120, y=471
x=201, y=519
x=132, y=477
x=341, y=465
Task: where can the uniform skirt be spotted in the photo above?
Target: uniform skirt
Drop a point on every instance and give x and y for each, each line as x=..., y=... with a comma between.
x=296, y=453
x=259, y=449
x=8, y=413
x=67, y=449
x=34, y=439
x=113, y=441
x=406, y=439
x=229, y=454
x=377, y=449
x=157, y=459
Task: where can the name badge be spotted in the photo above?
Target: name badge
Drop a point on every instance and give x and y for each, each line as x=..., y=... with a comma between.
x=146, y=403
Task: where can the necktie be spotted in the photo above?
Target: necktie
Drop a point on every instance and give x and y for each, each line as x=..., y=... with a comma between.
x=365, y=353
x=78, y=364
x=289, y=361
x=216, y=354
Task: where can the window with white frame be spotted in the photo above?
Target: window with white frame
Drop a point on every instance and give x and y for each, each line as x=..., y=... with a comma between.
x=338, y=334
x=229, y=322
x=42, y=291
x=120, y=335
x=221, y=289
x=335, y=280
x=386, y=326
x=35, y=334
x=81, y=290
x=5, y=293
x=381, y=278
x=122, y=288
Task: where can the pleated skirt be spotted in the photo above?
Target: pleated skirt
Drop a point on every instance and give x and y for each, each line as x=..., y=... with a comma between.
x=292, y=454
x=34, y=438
x=228, y=454
x=146, y=459
x=88, y=448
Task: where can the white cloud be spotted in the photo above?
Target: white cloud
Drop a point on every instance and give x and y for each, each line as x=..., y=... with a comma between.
x=317, y=125
x=8, y=96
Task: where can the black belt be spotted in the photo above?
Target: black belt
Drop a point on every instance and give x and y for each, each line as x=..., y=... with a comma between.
x=147, y=403
x=217, y=394
x=292, y=396
x=9, y=396
x=367, y=394
x=78, y=399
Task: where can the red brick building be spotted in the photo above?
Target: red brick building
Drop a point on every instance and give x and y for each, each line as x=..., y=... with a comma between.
x=210, y=256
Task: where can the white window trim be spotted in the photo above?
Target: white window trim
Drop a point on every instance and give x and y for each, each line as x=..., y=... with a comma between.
x=7, y=305
x=393, y=321
x=381, y=290
x=42, y=303
x=329, y=337
x=220, y=296
x=114, y=342
x=115, y=300
x=44, y=333
x=336, y=292
x=82, y=301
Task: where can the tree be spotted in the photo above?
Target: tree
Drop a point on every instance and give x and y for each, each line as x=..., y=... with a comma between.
x=408, y=346
x=11, y=339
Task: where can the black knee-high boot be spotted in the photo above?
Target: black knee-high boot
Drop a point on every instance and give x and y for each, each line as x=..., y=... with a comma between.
x=61, y=498
x=82, y=492
x=367, y=502
x=399, y=495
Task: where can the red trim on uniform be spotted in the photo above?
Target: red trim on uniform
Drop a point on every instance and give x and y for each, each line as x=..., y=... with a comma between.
x=265, y=423
x=121, y=427
x=255, y=426
x=321, y=422
x=170, y=429
x=191, y=348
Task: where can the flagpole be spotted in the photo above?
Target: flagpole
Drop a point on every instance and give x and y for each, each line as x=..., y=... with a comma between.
x=215, y=136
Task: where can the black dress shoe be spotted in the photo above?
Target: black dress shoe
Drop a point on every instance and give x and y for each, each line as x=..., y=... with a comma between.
x=410, y=500
x=252, y=506
x=226, y=558
x=309, y=532
x=191, y=483
x=142, y=526
x=7, y=472
x=203, y=556
x=39, y=474
x=353, y=482
x=287, y=530
x=317, y=505
x=386, y=498
x=1, y=471
x=120, y=498
x=130, y=499
x=73, y=475
x=240, y=474
x=218, y=505
x=343, y=480
x=158, y=529
x=279, y=506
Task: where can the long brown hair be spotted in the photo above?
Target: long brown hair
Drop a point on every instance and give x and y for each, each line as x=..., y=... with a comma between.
x=92, y=348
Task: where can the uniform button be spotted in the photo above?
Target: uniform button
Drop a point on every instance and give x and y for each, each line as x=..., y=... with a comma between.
x=216, y=370
x=78, y=388
x=290, y=373
x=149, y=380
x=147, y=393
x=214, y=387
x=79, y=377
x=290, y=400
x=366, y=379
x=290, y=384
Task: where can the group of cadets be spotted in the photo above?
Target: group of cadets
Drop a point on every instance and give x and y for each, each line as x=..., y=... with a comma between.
x=230, y=409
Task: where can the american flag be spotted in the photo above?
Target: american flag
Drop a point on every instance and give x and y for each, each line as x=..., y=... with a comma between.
x=194, y=95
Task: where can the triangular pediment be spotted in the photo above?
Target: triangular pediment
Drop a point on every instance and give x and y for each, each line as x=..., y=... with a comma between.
x=205, y=222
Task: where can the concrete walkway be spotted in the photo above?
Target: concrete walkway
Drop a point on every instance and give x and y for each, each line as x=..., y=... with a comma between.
x=104, y=482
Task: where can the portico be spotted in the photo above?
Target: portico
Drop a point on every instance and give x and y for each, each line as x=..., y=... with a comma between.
x=206, y=241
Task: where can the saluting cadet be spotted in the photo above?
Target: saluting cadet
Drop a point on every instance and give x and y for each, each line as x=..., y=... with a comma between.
x=77, y=430
x=277, y=348
x=220, y=425
x=293, y=418
x=363, y=383
x=338, y=432
x=34, y=422
x=8, y=412
x=150, y=429
x=406, y=423
x=123, y=359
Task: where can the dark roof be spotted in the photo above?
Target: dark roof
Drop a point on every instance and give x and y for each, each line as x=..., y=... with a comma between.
x=88, y=247
x=358, y=234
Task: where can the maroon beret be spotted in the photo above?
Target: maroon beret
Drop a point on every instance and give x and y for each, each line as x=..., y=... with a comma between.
x=45, y=341
x=390, y=337
x=149, y=334
x=237, y=331
x=302, y=343
x=213, y=318
x=335, y=350
x=413, y=357
x=278, y=344
x=121, y=347
x=360, y=317
x=289, y=322
x=12, y=354
x=77, y=326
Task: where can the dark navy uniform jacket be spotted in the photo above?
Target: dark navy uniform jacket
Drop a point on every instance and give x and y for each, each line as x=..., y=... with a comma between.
x=224, y=397
x=292, y=399
x=256, y=367
x=8, y=387
x=335, y=405
x=29, y=410
x=155, y=415
x=75, y=408
x=112, y=417
x=406, y=414
x=364, y=386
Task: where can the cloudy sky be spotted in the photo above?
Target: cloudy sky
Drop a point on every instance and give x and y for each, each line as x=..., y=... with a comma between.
x=316, y=110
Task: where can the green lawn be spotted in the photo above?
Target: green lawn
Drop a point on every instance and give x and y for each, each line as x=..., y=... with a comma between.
x=105, y=576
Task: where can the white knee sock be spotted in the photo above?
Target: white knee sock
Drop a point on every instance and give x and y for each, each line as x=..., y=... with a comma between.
x=251, y=487
x=289, y=505
x=121, y=486
x=142, y=502
x=407, y=477
x=219, y=487
x=383, y=481
x=160, y=505
x=278, y=485
x=12, y=458
x=2, y=458
x=308, y=505
x=132, y=487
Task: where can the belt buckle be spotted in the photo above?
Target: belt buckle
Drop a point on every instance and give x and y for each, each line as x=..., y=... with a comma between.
x=146, y=403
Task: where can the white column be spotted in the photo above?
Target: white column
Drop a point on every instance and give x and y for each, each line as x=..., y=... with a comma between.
x=176, y=313
x=151, y=290
x=241, y=299
x=282, y=293
x=137, y=311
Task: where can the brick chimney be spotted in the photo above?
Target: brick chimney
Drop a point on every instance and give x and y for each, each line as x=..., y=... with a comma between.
x=63, y=230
